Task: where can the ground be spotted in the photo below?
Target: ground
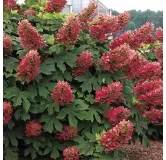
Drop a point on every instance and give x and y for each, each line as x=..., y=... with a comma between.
x=139, y=152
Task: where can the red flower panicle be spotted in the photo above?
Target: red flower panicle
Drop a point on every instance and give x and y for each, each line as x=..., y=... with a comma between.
x=70, y=31
x=84, y=62
x=150, y=93
x=159, y=34
x=104, y=26
x=139, y=36
x=150, y=71
x=110, y=94
x=30, y=12
x=7, y=45
x=71, y=153
x=62, y=94
x=149, y=39
x=159, y=53
x=29, y=36
x=142, y=35
x=7, y=111
x=33, y=128
x=29, y=66
x=135, y=62
x=9, y=4
x=118, y=136
x=117, y=58
x=115, y=115
x=87, y=15
x=55, y=6
x=154, y=116
x=68, y=133
x=120, y=40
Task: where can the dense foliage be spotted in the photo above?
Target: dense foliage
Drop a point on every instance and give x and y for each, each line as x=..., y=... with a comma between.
x=70, y=91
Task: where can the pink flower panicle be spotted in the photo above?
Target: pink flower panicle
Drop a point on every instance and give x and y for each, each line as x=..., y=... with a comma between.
x=7, y=111
x=116, y=59
x=134, y=64
x=150, y=71
x=139, y=36
x=87, y=15
x=120, y=40
x=118, y=136
x=7, y=45
x=29, y=36
x=33, y=128
x=110, y=94
x=30, y=12
x=69, y=32
x=71, y=153
x=142, y=35
x=154, y=116
x=62, y=94
x=159, y=34
x=104, y=26
x=9, y=4
x=115, y=115
x=55, y=6
x=68, y=133
x=29, y=66
x=84, y=62
x=150, y=93
x=159, y=53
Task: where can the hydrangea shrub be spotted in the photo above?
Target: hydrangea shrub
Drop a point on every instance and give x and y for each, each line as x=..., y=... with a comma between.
x=71, y=92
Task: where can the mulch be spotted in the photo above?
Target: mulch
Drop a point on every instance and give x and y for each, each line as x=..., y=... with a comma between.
x=139, y=152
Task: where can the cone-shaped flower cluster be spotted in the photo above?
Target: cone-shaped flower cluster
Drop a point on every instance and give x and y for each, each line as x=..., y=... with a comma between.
x=154, y=116
x=159, y=34
x=69, y=32
x=55, y=6
x=33, y=128
x=150, y=93
x=30, y=12
x=62, y=94
x=9, y=4
x=104, y=26
x=142, y=35
x=68, y=133
x=159, y=53
x=29, y=66
x=149, y=71
x=71, y=153
x=29, y=36
x=7, y=111
x=7, y=45
x=117, y=58
x=115, y=115
x=118, y=136
x=84, y=62
x=110, y=94
x=87, y=15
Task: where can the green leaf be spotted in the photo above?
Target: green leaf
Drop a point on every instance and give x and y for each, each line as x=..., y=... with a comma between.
x=68, y=76
x=128, y=93
x=10, y=64
x=26, y=103
x=51, y=123
x=52, y=108
x=10, y=154
x=72, y=120
x=48, y=66
x=56, y=49
x=51, y=40
x=89, y=83
x=43, y=91
x=62, y=59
